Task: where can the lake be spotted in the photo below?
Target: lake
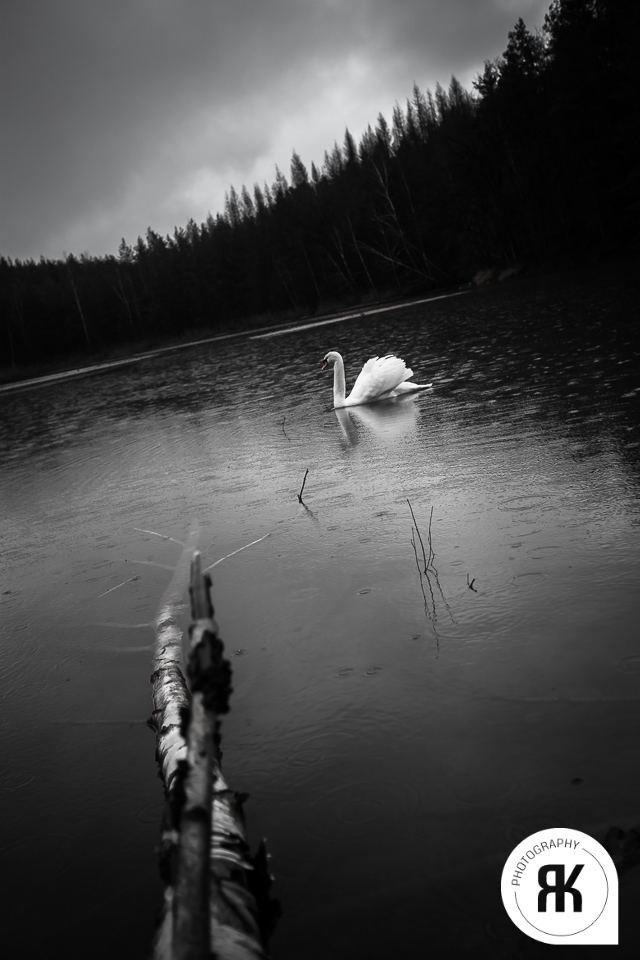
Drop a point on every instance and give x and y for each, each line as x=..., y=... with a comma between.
x=398, y=733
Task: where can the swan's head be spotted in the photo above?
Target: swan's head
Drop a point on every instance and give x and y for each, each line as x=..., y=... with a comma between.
x=331, y=357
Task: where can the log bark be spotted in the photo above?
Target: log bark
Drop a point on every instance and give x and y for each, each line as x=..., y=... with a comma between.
x=217, y=895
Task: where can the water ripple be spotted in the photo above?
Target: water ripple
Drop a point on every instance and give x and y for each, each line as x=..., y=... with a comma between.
x=361, y=809
x=522, y=503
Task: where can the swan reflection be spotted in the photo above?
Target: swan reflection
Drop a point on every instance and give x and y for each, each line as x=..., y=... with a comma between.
x=388, y=420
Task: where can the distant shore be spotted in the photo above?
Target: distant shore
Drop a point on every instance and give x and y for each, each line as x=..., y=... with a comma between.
x=28, y=379
x=41, y=375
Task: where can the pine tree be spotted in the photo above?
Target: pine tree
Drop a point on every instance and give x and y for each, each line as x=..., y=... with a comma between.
x=367, y=145
x=383, y=135
x=280, y=185
x=247, y=207
x=349, y=149
x=315, y=175
x=232, y=207
x=125, y=252
x=259, y=200
x=423, y=120
x=397, y=128
x=299, y=175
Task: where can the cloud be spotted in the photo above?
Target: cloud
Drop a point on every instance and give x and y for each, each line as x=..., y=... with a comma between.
x=123, y=114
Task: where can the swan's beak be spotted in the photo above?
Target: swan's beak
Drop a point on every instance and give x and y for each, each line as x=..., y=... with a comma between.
x=325, y=364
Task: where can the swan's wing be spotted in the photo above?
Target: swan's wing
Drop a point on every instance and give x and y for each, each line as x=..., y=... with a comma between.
x=378, y=377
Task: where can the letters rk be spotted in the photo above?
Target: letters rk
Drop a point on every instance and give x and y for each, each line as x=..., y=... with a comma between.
x=560, y=887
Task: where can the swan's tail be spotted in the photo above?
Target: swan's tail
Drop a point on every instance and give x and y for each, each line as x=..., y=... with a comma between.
x=408, y=387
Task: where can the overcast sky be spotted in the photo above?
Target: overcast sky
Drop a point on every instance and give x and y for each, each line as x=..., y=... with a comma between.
x=116, y=115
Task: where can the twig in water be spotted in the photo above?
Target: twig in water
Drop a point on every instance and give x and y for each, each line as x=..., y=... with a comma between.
x=147, y=563
x=233, y=553
x=424, y=556
x=284, y=431
x=161, y=535
x=130, y=580
x=122, y=626
x=471, y=585
x=431, y=550
x=429, y=613
x=302, y=487
x=428, y=566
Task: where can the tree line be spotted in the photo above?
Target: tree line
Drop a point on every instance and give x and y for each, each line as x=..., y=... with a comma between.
x=539, y=162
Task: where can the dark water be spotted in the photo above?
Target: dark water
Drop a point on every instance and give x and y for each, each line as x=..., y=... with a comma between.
x=397, y=737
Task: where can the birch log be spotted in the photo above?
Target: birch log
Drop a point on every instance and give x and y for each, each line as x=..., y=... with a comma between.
x=217, y=895
x=170, y=700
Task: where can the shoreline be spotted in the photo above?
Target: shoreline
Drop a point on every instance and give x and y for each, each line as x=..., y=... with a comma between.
x=285, y=326
x=272, y=330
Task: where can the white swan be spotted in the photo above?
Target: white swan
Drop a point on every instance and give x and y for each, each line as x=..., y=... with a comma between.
x=381, y=377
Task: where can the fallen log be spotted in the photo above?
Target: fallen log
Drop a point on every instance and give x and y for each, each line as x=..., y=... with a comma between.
x=216, y=900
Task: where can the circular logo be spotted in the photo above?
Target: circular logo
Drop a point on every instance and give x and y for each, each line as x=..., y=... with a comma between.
x=561, y=886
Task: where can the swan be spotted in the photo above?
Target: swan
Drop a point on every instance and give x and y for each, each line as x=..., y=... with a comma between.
x=380, y=378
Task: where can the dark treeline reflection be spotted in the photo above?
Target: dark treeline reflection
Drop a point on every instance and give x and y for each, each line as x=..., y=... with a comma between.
x=540, y=161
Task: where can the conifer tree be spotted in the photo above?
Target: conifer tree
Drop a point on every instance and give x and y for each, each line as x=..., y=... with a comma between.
x=350, y=151
x=299, y=175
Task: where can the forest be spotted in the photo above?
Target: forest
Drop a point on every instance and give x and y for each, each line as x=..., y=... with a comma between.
x=539, y=164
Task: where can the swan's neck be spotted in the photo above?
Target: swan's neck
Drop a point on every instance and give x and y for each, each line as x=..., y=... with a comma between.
x=339, y=385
